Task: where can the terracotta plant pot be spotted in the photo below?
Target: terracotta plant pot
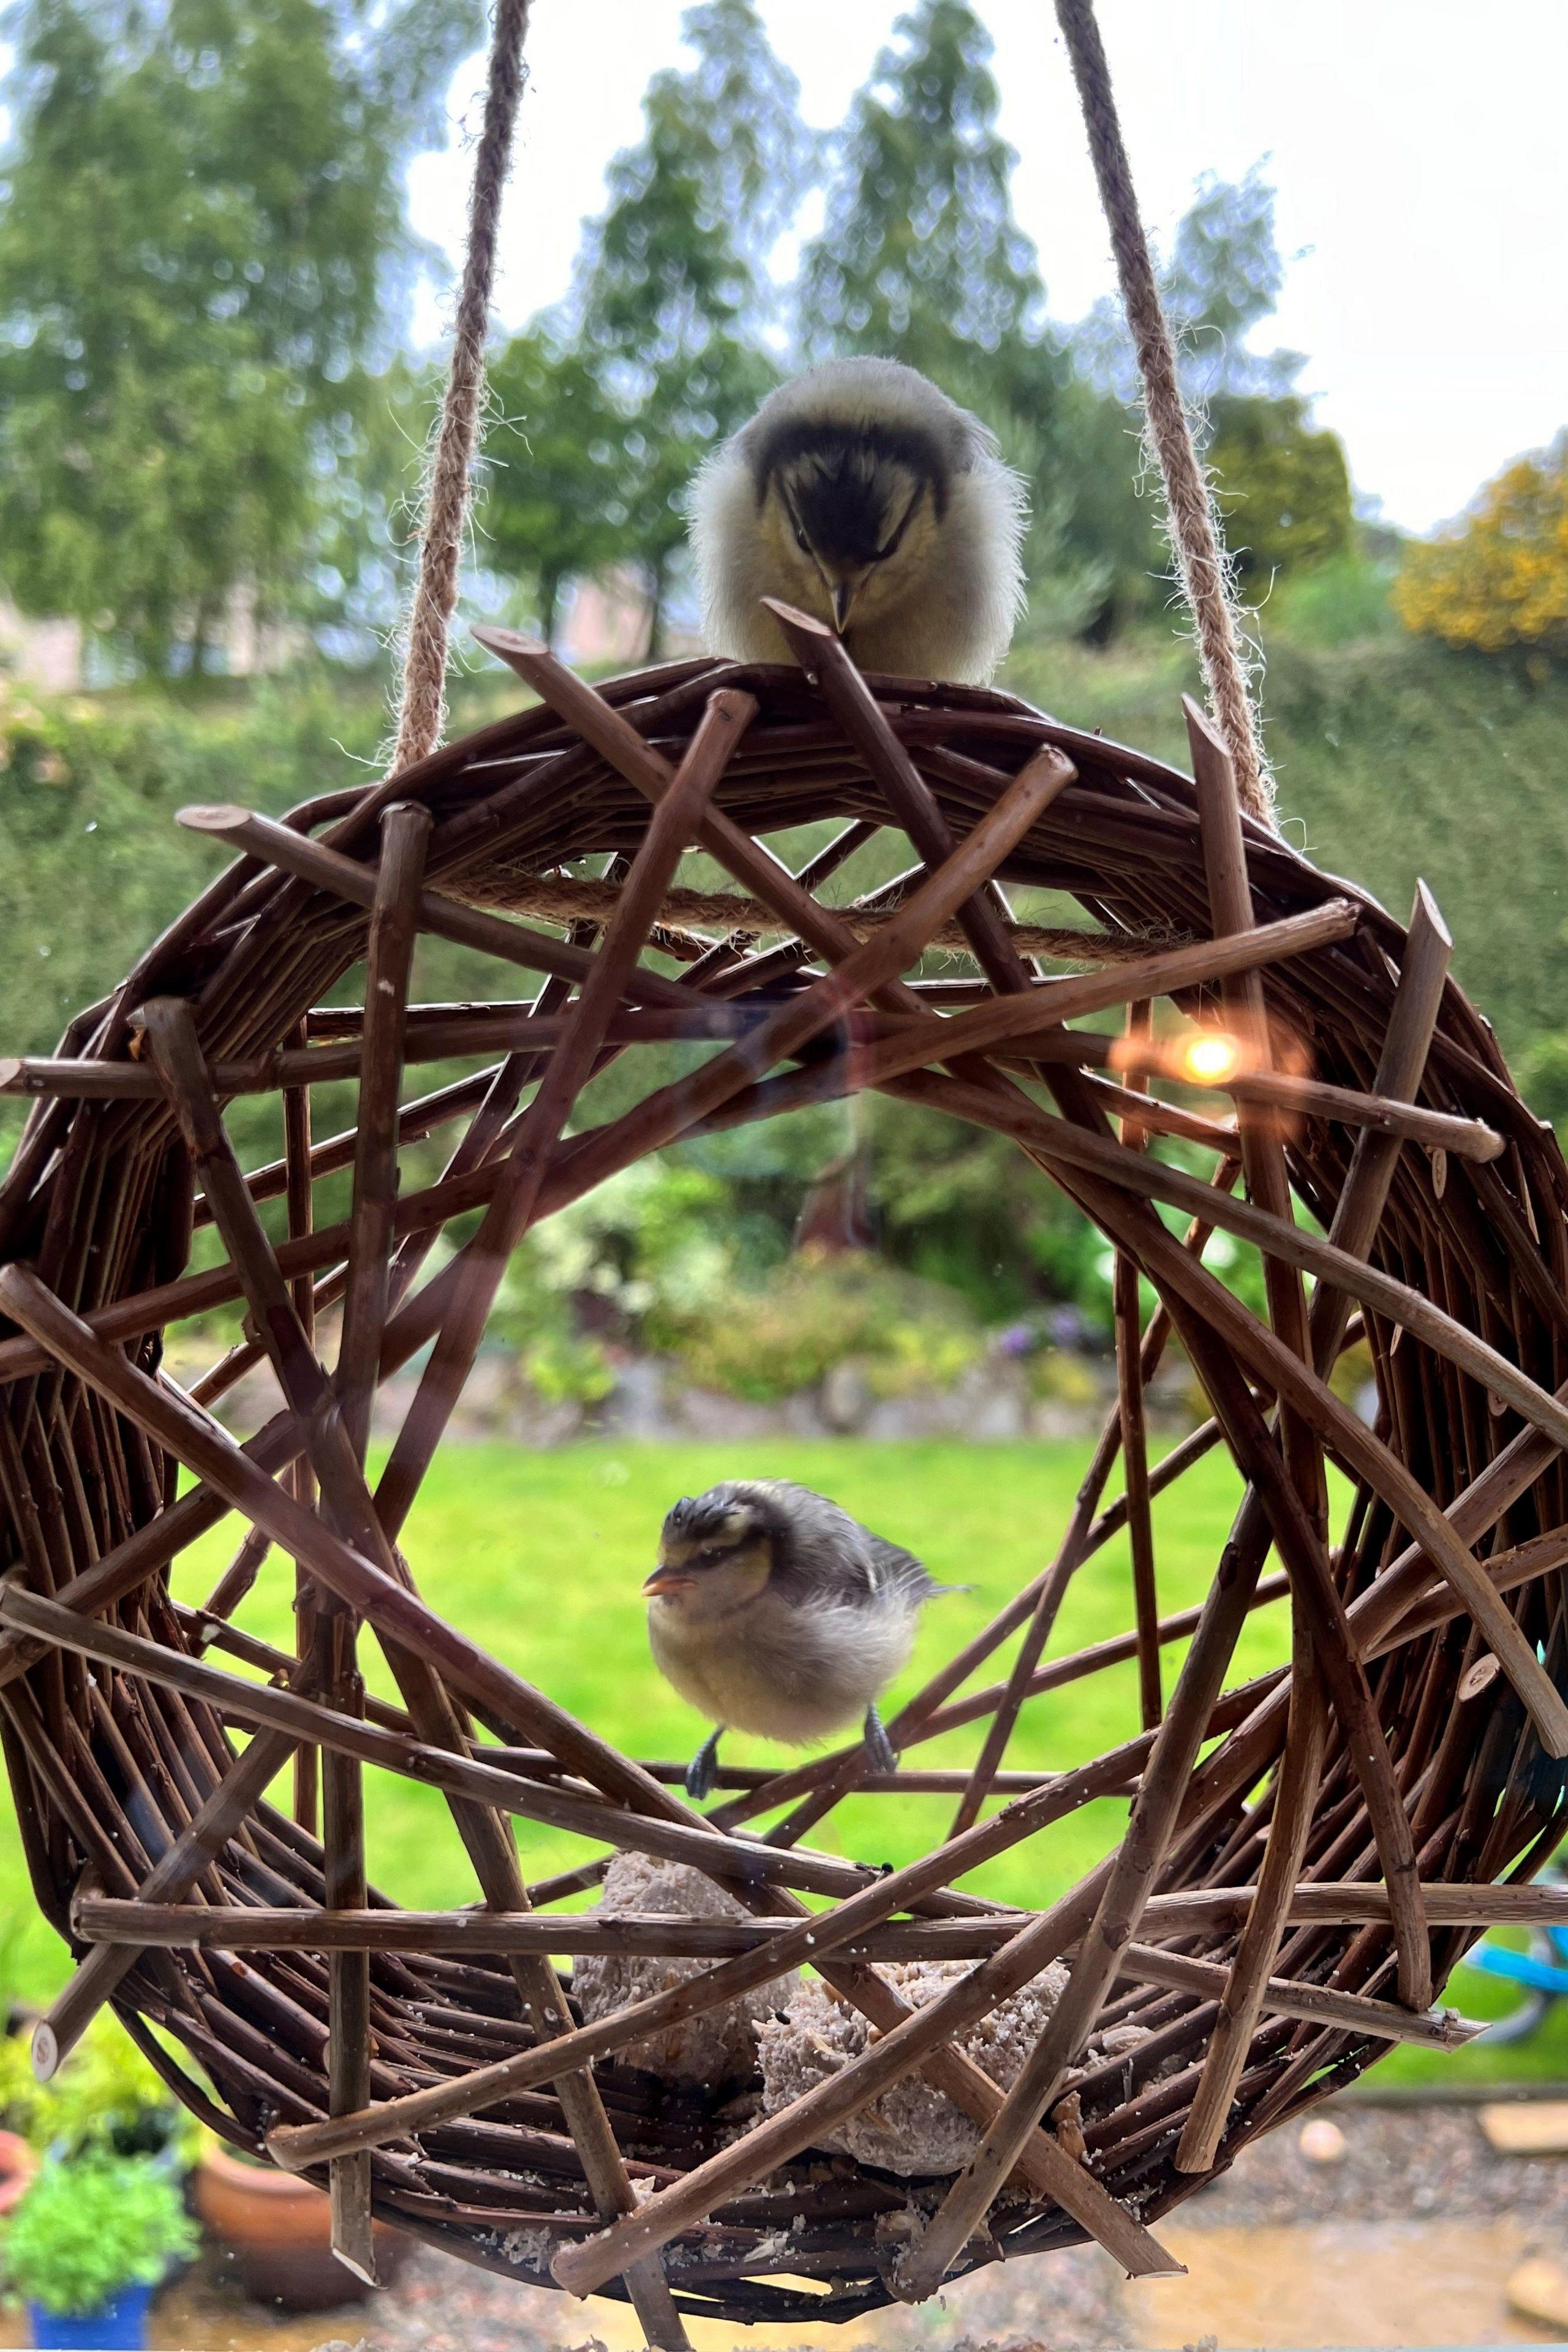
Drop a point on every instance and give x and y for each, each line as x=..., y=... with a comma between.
x=279, y=2231
x=18, y=2165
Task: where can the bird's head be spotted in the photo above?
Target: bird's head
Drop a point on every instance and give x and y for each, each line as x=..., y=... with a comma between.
x=851, y=511
x=861, y=494
x=715, y=1553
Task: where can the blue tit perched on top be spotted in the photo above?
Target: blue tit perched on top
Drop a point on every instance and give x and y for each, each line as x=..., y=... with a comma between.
x=862, y=495
x=773, y=1611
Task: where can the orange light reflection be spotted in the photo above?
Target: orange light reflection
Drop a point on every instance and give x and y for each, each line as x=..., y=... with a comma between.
x=1209, y=1058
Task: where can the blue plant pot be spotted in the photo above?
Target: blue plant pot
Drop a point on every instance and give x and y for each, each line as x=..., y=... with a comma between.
x=119, y=2325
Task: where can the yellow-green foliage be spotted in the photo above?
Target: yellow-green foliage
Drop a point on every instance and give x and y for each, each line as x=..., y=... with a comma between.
x=1283, y=488
x=1063, y=1377
x=86, y=2231
x=1500, y=579
x=105, y=2101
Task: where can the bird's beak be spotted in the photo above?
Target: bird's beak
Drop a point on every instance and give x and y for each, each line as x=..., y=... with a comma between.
x=668, y=1580
x=842, y=593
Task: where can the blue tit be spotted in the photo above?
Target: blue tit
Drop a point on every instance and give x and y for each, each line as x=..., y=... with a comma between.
x=773, y=1611
x=862, y=495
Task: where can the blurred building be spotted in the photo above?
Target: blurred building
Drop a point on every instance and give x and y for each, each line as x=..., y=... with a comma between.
x=604, y=625
x=43, y=653
x=58, y=657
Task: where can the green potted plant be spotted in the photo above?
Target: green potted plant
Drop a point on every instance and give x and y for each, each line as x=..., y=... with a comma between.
x=88, y=2244
x=106, y=2100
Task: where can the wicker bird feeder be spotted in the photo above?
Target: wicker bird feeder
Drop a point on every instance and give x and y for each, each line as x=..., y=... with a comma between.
x=1307, y=1853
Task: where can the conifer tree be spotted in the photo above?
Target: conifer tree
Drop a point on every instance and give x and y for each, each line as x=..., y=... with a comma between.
x=1223, y=279
x=921, y=258
x=1283, y=488
x=673, y=300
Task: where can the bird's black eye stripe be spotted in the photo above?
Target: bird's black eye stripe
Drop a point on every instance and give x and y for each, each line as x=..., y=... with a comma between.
x=801, y=540
x=892, y=545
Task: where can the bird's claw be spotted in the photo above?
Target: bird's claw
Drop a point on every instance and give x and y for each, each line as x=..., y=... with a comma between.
x=878, y=1746
x=703, y=1771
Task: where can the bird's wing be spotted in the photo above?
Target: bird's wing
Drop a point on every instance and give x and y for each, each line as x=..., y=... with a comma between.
x=895, y=1569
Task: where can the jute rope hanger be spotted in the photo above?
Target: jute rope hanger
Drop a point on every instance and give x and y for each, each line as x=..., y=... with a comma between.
x=1193, y=528
x=422, y=704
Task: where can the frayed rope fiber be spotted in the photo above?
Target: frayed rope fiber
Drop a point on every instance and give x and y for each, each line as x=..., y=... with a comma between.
x=1194, y=536
x=422, y=705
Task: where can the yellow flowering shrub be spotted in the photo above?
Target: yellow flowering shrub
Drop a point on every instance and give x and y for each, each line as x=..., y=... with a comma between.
x=1500, y=579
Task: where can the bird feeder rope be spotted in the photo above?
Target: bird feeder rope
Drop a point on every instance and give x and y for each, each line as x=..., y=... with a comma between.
x=1195, y=533
x=422, y=705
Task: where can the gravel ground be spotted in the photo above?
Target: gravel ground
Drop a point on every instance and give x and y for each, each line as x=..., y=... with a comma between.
x=1398, y=2163
x=1069, y=2303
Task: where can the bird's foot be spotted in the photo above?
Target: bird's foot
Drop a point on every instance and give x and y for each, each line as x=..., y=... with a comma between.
x=878, y=1746
x=703, y=1770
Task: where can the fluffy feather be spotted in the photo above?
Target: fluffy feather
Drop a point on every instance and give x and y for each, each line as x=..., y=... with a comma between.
x=863, y=495
x=774, y=1610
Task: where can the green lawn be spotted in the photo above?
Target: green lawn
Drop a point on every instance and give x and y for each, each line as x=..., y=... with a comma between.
x=541, y=1555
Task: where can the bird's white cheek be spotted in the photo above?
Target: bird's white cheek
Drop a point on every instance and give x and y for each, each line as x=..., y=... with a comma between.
x=805, y=588
x=881, y=592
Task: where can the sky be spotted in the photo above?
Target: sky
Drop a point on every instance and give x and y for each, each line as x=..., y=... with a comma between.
x=1417, y=147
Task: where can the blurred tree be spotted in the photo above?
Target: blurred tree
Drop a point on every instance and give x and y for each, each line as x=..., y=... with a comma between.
x=1287, y=484
x=1110, y=539
x=1498, y=581
x=919, y=258
x=1223, y=279
x=364, y=540
x=203, y=250
x=673, y=299
x=551, y=509
x=1541, y=1071
x=1284, y=489
x=961, y=1207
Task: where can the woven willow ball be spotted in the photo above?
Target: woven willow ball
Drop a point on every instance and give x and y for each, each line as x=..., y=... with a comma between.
x=1383, y=1803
